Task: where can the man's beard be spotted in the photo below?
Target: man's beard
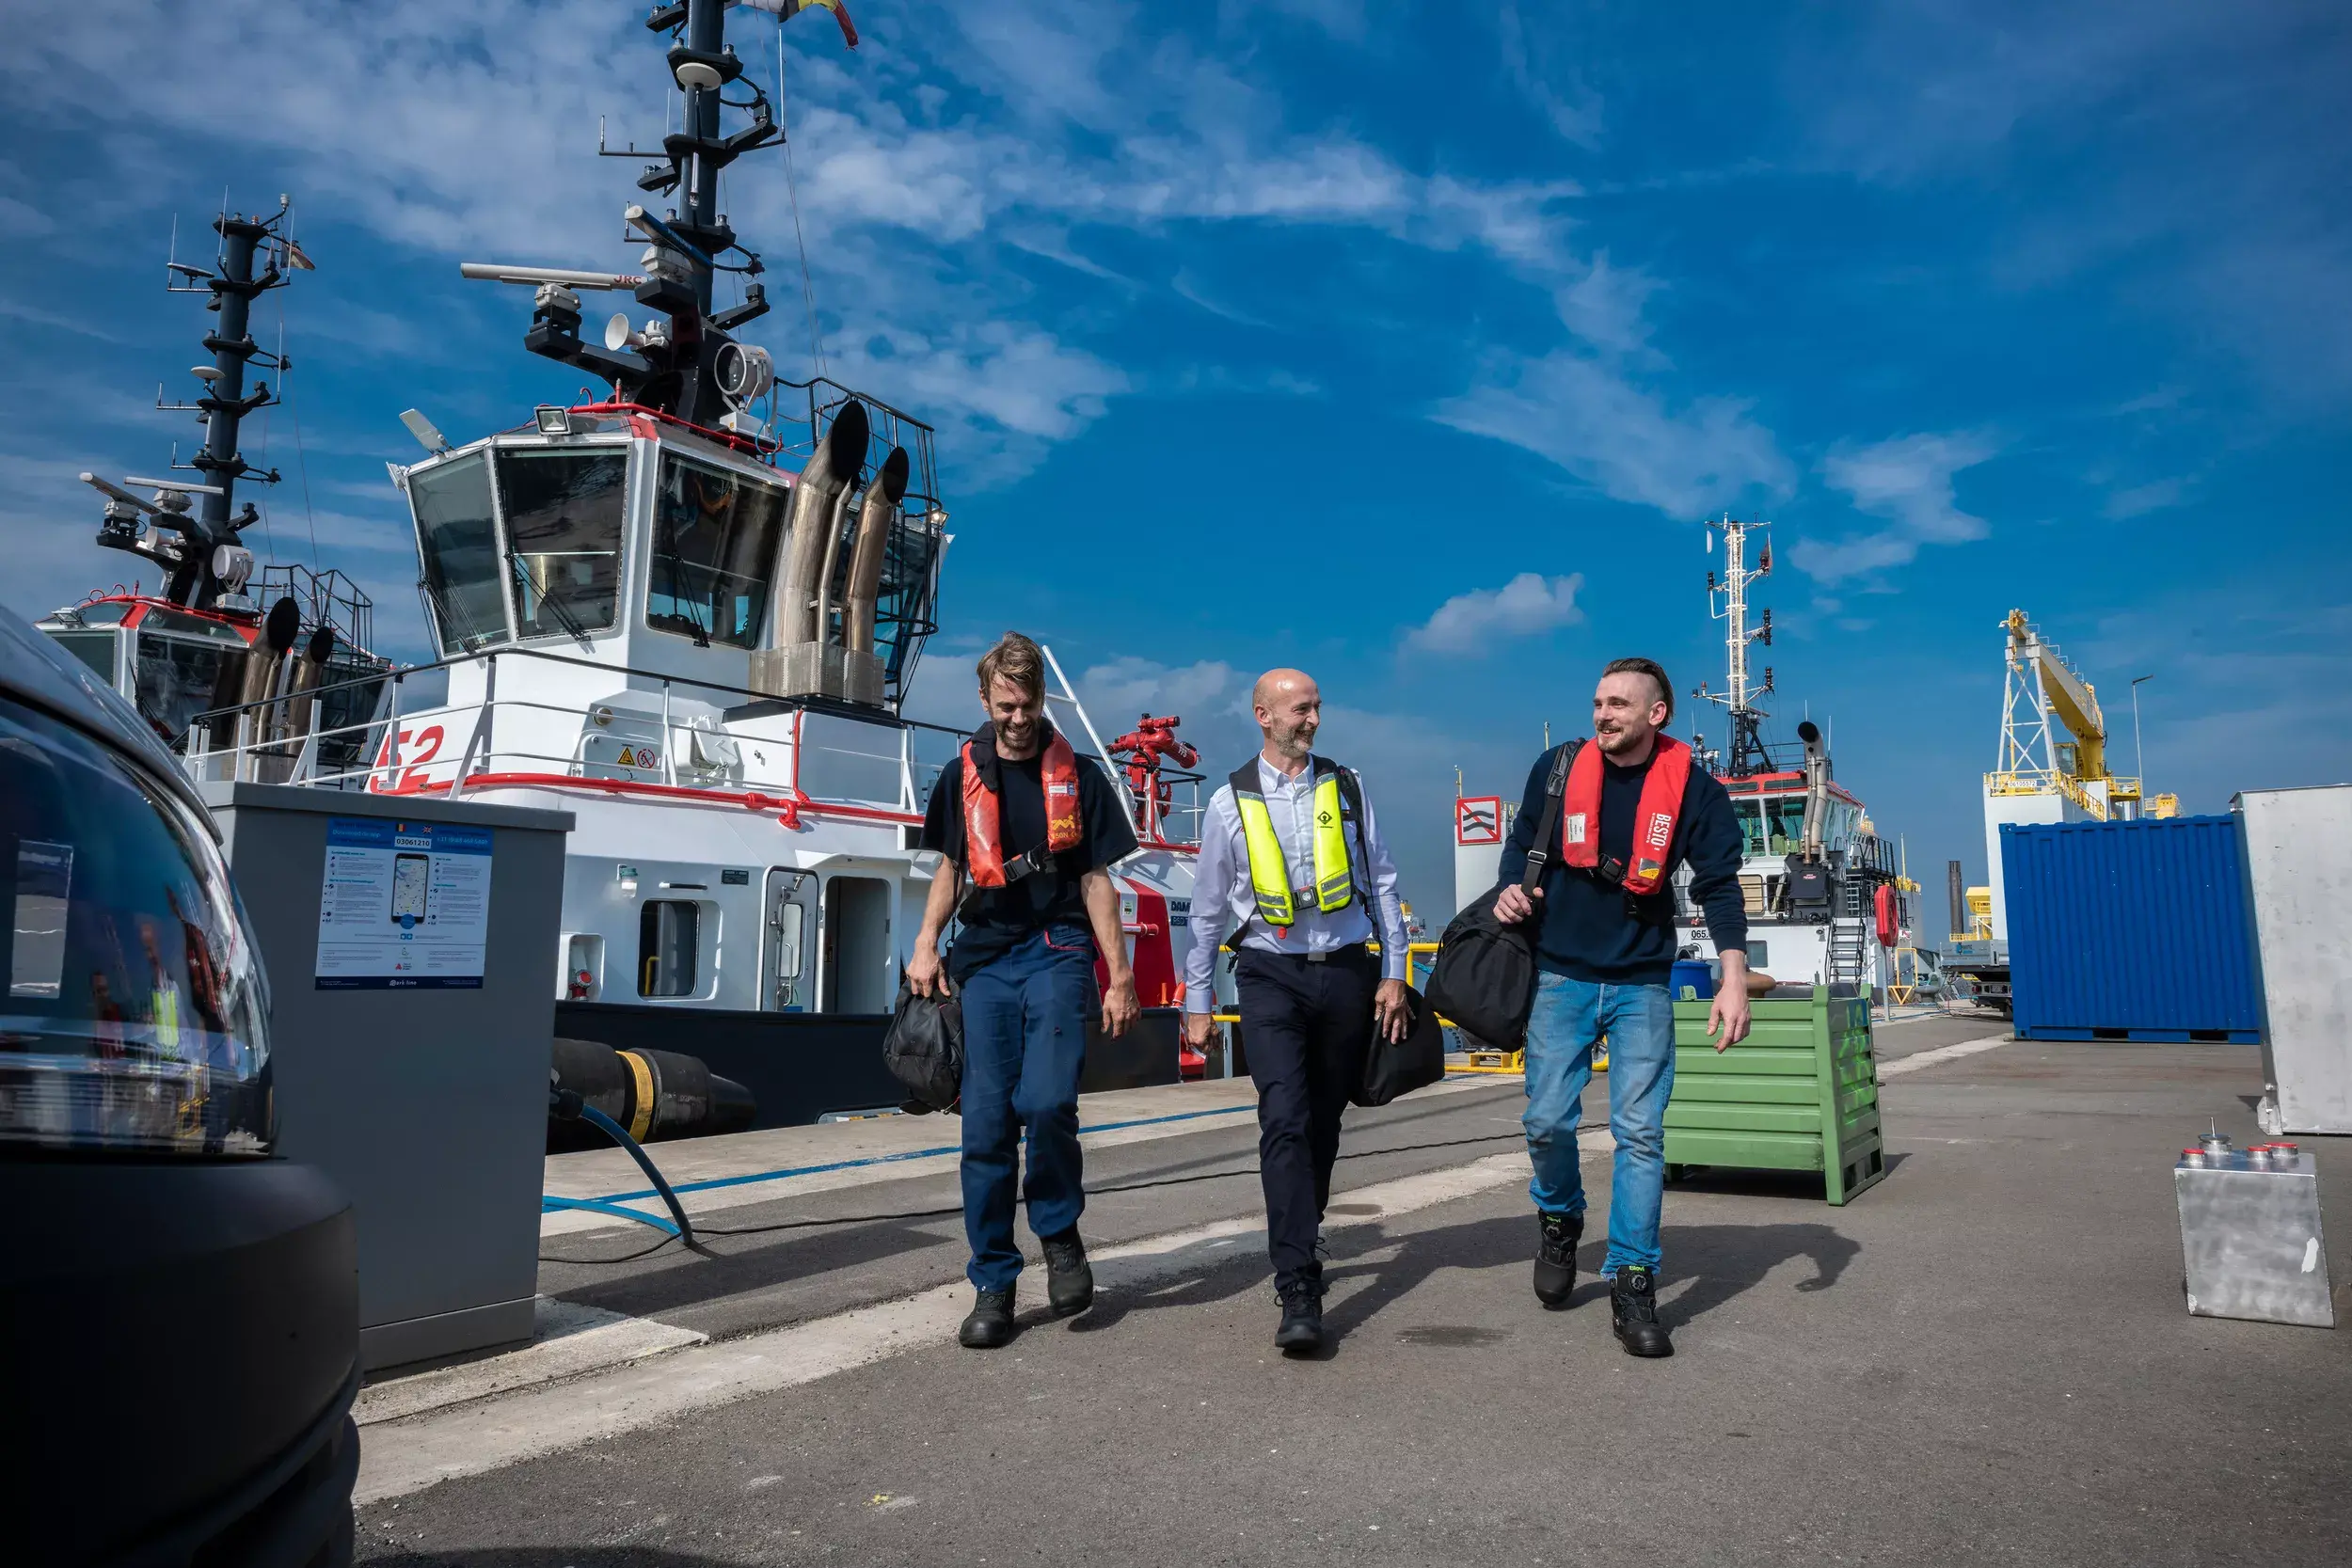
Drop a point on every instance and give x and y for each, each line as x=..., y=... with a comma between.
x=1294, y=743
x=1612, y=740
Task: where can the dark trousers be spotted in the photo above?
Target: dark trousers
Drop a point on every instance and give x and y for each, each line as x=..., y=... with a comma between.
x=1307, y=1026
x=1024, y=1041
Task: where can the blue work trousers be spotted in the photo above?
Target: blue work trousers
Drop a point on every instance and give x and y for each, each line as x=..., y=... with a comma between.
x=1025, y=1035
x=1571, y=1017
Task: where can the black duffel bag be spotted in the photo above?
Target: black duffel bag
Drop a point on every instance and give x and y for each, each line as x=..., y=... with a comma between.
x=1483, y=980
x=924, y=1050
x=1397, y=1067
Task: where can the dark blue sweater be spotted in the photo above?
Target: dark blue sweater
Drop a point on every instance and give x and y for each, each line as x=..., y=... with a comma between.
x=1589, y=932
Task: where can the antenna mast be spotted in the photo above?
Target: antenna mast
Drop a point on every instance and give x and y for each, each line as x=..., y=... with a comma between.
x=205, y=560
x=1728, y=601
x=677, y=367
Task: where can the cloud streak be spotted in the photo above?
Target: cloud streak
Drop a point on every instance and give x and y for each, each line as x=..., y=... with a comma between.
x=1908, y=482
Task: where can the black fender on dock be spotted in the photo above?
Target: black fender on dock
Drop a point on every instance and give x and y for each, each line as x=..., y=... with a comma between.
x=655, y=1095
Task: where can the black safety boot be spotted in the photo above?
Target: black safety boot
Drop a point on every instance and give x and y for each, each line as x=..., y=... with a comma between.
x=1069, y=1277
x=1555, y=1256
x=989, y=1324
x=1301, y=1332
x=1633, y=1312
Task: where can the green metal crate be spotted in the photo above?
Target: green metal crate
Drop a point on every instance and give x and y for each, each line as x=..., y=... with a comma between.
x=1800, y=1093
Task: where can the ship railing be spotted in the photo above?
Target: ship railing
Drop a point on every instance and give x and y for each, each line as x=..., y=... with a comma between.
x=279, y=739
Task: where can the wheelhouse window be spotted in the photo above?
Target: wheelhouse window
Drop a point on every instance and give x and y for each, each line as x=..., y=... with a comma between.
x=669, y=943
x=714, y=550
x=95, y=649
x=563, y=511
x=458, y=543
x=185, y=665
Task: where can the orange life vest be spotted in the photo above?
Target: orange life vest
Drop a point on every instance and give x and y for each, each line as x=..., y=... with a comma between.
x=1653, y=823
x=983, y=837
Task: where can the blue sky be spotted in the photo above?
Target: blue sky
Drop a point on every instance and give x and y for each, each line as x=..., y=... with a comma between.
x=1405, y=343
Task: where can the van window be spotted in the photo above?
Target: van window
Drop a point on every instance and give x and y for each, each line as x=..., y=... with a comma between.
x=669, y=944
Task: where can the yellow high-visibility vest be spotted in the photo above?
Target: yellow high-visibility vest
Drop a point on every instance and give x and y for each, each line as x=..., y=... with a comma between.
x=1270, y=868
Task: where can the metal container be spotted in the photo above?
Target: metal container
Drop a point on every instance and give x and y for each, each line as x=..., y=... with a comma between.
x=2298, y=872
x=1800, y=1093
x=2250, y=1242
x=2131, y=931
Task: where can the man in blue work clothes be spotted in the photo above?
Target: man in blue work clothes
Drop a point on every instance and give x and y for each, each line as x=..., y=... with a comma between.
x=1291, y=860
x=1634, y=806
x=1033, y=828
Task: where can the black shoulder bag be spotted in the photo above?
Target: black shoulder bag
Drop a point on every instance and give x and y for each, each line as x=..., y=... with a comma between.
x=1483, y=980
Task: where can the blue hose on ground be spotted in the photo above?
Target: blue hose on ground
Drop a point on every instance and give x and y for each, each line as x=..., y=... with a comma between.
x=567, y=1104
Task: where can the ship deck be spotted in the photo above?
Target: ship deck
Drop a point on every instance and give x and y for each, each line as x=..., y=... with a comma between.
x=1983, y=1357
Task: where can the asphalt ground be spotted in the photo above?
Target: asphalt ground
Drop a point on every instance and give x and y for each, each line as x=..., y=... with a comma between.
x=1983, y=1358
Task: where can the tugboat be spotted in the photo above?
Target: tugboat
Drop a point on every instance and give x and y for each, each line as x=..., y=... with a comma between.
x=687, y=610
x=1827, y=901
x=301, y=673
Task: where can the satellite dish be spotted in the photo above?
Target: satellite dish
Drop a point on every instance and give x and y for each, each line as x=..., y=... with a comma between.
x=616, y=331
x=694, y=74
x=205, y=372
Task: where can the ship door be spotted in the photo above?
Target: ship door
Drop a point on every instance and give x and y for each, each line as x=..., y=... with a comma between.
x=785, y=980
x=857, y=967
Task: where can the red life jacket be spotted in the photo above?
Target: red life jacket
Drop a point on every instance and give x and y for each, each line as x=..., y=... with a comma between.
x=1653, y=824
x=983, y=837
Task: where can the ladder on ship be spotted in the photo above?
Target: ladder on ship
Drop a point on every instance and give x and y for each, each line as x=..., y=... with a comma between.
x=1848, y=953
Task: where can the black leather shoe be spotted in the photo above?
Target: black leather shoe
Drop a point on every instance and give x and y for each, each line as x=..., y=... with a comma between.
x=1069, y=1277
x=1301, y=1332
x=1633, y=1312
x=1555, y=1256
x=989, y=1324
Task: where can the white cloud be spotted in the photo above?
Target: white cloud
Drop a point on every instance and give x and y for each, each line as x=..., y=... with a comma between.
x=2140, y=500
x=1131, y=684
x=1907, y=480
x=1528, y=604
x=1553, y=90
x=1589, y=416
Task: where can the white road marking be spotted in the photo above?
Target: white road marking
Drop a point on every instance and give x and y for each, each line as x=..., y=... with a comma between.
x=1941, y=1055
x=400, y=1457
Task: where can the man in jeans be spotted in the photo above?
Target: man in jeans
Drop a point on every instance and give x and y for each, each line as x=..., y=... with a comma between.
x=1635, y=807
x=1033, y=828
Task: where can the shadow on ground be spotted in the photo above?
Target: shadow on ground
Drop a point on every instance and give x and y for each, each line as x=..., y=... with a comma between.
x=1707, y=1265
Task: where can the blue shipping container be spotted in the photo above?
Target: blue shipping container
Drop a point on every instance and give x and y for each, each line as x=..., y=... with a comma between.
x=2131, y=931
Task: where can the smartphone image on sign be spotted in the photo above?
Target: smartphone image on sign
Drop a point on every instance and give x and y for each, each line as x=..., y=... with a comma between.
x=408, y=884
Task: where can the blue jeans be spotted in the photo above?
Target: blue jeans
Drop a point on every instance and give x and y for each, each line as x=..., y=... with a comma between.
x=1569, y=1017
x=1025, y=1037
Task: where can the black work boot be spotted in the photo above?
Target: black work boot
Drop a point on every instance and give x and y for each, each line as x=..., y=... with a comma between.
x=1069, y=1277
x=1301, y=1332
x=989, y=1324
x=1633, y=1312
x=1555, y=1256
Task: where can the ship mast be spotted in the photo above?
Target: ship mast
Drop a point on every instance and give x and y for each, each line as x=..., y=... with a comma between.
x=205, y=560
x=689, y=366
x=1728, y=601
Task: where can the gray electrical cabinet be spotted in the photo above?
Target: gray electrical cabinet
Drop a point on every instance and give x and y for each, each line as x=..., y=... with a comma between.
x=411, y=946
x=2298, y=874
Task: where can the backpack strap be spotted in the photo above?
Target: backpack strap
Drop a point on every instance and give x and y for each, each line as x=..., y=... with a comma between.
x=1555, y=787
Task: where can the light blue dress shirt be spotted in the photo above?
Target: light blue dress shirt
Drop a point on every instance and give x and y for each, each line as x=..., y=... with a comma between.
x=1222, y=899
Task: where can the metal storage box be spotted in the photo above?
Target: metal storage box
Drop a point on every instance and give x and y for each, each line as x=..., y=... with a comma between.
x=2250, y=1242
x=1800, y=1093
x=2298, y=872
x=2131, y=931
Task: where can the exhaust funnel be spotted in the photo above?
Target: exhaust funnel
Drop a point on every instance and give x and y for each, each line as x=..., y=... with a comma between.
x=874, y=521
x=831, y=470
